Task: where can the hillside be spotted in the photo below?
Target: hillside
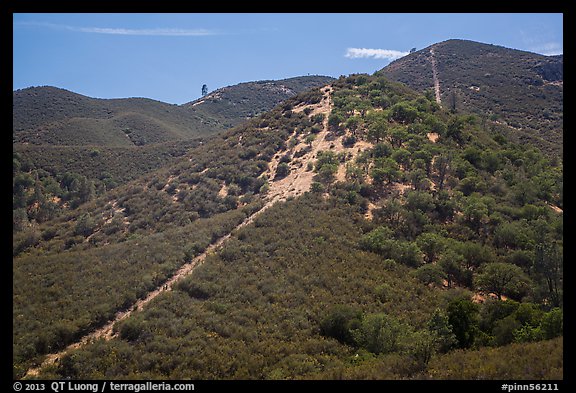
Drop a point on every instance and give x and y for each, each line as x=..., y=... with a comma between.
x=520, y=93
x=77, y=146
x=234, y=104
x=105, y=166
x=355, y=231
x=52, y=116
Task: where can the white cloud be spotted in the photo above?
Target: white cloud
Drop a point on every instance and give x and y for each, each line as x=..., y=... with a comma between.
x=149, y=32
x=542, y=41
x=167, y=32
x=548, y=48
x=360, y=53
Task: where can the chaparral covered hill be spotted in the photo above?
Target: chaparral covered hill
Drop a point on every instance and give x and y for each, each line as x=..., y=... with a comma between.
x=355, y=231
x=502, y=86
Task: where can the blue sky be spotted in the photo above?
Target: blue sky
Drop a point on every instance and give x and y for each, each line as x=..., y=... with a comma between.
x=168, y=57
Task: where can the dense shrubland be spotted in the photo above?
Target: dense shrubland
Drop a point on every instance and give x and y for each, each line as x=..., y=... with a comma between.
x=183, y=207
x=462, y=254
x=59, y=297
x=295, y=296
x=254, y=310
x=180, y=209
x=449, y=200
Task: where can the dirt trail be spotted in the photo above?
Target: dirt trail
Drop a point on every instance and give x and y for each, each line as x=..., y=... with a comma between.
x=294, y=184
x=106, y=331
x=435, y=77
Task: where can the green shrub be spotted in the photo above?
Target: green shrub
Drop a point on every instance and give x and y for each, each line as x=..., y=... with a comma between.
x=282, y=170
x=340, y=323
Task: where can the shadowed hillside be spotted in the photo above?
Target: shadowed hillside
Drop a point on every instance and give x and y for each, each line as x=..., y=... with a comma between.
x=52, y=116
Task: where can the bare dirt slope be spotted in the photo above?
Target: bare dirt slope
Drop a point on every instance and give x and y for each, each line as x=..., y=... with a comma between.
x=300, y=179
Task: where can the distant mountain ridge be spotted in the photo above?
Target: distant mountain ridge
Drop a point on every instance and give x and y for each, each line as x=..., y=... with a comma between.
x=54, y=116
x=233, y=104
x=509, y=87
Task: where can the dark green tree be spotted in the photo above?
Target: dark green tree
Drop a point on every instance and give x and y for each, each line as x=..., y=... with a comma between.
x=420, y=346
x=475, y=254
x=381, y=150
x=504, y=329
x=451, y=262
x=453, y=101
x=131, y=329
x=391, y=213
x=418, y=179
x=552, y=324
x=426, y=157
x=381, y=333
x=432, y=245
x=475, y=214
x=20, y=184
x=85, y=225
x=397, y=136
x=455, y=129
x=429, y=274
x=403, y=112
x=377, y=132
x=463, y=317
x=402, y=157
x=352, y=124
x=440, y=326
x=386, y=171
x=441, y=165
x=548, y=264
x=500, y=278
x=334, y=121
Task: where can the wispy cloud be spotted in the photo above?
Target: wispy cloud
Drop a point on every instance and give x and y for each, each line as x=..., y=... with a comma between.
x=168, y=32
x=150, y=32
x=540, y=40
x=548, y=48
x=361, y=53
